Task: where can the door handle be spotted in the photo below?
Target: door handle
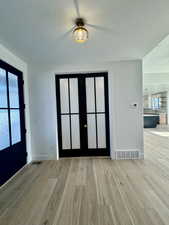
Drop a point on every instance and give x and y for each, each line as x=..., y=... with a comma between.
x=85, y=126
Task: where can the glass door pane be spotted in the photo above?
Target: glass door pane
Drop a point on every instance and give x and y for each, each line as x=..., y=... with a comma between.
x=90, y=94
x=75, y=131
x=4, y=121
x=101, y=131
x=91, y=131
x=100, y=103
x=64, y=96
x=13, y=90
x=65, y=132
x=4, y=129
x=95, y=94
x=3, y=89
x=69, y=100
x=74, y=100
x=15, y=126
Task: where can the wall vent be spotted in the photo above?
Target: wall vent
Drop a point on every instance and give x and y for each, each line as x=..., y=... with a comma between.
x=127, y=155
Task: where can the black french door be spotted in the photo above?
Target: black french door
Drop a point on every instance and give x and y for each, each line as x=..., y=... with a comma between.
x=83, y=114
x=12, y=122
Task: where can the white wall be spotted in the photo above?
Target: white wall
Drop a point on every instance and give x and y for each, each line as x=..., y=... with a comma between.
x=125, y=88
x=15, y=61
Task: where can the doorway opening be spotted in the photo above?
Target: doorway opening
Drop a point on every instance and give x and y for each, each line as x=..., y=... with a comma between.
x=156, y=102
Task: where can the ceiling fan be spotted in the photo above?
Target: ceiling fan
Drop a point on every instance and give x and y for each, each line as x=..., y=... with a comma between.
x=79, y=30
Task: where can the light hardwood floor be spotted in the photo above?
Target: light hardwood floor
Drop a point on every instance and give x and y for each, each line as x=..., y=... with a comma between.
x=92, y=191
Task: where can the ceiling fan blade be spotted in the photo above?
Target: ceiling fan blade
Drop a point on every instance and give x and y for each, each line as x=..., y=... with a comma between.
x=77, y=7
x=101, y=28
x=66, y=34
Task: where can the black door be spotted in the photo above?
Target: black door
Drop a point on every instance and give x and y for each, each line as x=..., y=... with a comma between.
x=83, y=114
x=12, y=122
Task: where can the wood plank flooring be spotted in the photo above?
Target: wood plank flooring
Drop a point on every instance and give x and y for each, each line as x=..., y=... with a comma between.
x=92, y=191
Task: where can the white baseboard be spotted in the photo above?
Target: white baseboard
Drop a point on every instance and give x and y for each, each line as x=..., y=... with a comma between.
x=117, y=155
x=43, y=157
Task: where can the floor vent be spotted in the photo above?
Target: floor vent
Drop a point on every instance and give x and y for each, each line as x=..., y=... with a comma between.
x=127, y=155
x=36, y=162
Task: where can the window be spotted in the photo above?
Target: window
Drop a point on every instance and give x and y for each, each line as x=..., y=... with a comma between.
x=156, y=103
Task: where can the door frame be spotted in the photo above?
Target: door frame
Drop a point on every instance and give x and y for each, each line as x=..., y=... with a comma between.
x=90, y=152
x=18, y=155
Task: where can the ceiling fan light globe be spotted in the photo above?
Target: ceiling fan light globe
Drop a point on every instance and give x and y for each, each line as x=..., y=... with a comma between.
x=80, y=34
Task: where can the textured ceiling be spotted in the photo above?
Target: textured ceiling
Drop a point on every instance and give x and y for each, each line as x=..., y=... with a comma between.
x=38, y=30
